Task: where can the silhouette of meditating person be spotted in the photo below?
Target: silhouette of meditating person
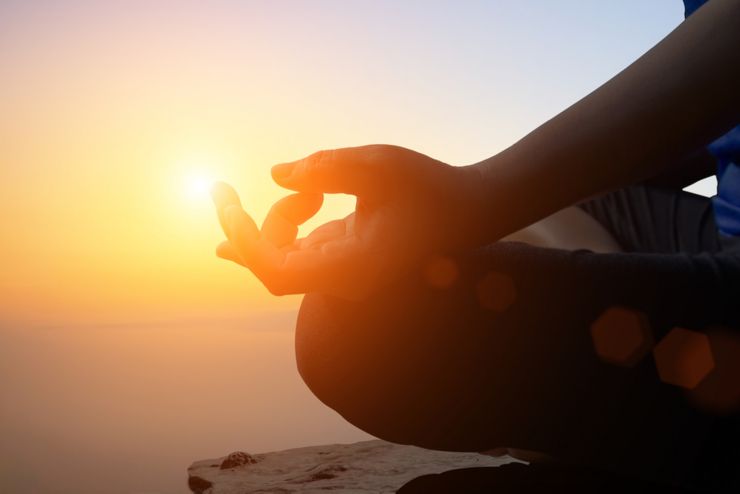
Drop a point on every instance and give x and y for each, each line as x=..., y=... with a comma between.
x=420, y=326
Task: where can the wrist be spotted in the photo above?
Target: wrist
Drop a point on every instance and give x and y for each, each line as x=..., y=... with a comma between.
x=504, y=195
x=490, y=193
x=480, y=196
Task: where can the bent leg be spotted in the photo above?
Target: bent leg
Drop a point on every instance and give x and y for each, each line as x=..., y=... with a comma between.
x=433, y=367
x=652, y=219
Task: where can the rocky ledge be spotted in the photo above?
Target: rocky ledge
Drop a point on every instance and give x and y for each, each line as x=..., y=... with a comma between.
x=364, y=467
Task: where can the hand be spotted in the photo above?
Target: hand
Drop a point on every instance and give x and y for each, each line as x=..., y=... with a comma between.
x=409, y=206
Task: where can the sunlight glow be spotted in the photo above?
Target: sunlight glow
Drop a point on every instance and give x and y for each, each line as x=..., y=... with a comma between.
x=197, y=185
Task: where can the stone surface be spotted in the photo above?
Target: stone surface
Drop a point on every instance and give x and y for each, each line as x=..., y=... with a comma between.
x=237, y=459
x=364, y=467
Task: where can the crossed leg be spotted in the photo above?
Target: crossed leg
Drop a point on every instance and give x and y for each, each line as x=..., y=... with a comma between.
x=436, y=367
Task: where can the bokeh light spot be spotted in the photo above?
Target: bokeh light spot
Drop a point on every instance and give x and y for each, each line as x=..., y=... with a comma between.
x=441, y=272
x=684, y=358
x=496, y=291
x=719, y=392
x=621, y=336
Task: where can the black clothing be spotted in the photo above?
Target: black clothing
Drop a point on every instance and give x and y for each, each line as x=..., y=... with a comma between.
x=436, y=367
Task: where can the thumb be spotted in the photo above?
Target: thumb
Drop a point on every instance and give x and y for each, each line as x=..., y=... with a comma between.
x=347, y=170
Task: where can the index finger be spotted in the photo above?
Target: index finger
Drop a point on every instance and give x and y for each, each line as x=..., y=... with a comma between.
x=223, y=196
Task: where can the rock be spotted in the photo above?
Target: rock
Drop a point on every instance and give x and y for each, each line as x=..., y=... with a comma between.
x=198, y=485
x=364, y=467
x=237, y=459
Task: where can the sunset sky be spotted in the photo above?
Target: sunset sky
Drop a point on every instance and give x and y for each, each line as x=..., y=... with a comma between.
x=127, y=349
x=108, y=109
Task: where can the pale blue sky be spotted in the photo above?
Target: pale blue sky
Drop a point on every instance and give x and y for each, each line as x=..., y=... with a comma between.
x=459, y=80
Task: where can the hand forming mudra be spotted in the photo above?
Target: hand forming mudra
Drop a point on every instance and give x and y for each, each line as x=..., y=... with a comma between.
x=408, y=207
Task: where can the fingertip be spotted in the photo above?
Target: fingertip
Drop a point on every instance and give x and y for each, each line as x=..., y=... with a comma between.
x=217, y=190
x=282, y=171
x=217, y=185
x=226, y=251
x=311, y=202
x=297, y=208
x=224, y=194
x=223, y=249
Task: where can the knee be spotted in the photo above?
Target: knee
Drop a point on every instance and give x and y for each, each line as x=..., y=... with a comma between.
x=393, y=368
x=343, y=358
x=321, y=350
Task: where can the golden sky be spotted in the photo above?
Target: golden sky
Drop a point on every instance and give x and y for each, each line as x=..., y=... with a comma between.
x=106, y=109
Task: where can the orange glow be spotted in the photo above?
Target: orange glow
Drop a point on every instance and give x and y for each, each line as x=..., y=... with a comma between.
x=108, y=216
x=684, y=358
x=441, y=272
x=621, y=336
x=719, y=393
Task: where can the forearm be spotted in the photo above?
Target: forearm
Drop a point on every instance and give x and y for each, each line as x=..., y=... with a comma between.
x=675, y=98
x=696, y=166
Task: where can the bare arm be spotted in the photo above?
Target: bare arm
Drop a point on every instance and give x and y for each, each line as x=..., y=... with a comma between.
x=675, y=98
x=410, y=207
x=699, y=164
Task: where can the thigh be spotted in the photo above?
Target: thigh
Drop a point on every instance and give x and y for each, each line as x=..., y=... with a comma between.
x=652, y=219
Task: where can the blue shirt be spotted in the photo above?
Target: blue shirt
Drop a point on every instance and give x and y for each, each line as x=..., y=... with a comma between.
x=726, y=150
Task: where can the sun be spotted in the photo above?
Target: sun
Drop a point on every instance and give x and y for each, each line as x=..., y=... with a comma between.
x=197, y=185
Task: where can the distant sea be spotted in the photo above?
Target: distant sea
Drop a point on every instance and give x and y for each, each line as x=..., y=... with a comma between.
x=126, y=408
